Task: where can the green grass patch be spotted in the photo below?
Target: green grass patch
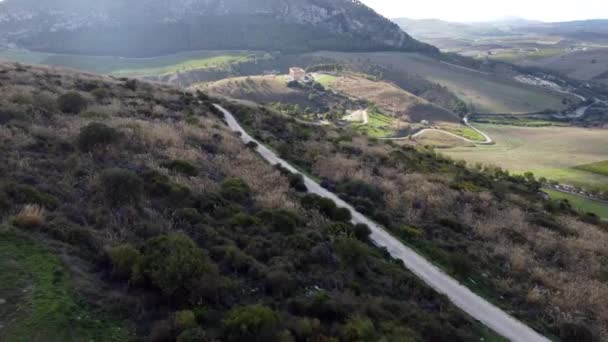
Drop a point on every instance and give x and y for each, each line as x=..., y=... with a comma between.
x=379, y=126
x=517, y=121
x=582, y=204
x=600, y=168
x=40, y=301
x=162, y=65
x=325, y=80
x=466, y=132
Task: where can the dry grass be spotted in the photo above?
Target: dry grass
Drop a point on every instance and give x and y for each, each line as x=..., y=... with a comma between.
x=31, y=216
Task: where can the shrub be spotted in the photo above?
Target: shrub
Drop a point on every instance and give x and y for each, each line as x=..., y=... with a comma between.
x=570, y=332
x=159, y=185
x=296, y=181
x=193, y=335
x=251, y=323
x=362, y=232
x=31, y=216
x=25, y=194
x=351, y=251
x=124, y=259
x=121, y=186
x=180, y=166
x=174, y=264
x=100, y=93
x=360, y=329
x=341, y=214
x=235, y=189
x=185, y=319
x=96, y=135
x=71, y=103
x=281, y=220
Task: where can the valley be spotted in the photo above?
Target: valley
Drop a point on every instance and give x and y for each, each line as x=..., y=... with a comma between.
x=300, y=171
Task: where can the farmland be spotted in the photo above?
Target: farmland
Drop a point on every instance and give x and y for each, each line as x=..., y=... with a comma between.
x=119, y=66
x=600, y=168
x=550, y=152
x=484, y=93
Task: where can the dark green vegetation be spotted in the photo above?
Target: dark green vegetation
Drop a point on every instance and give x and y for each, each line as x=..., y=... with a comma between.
x=152, y=28
x=151, y=220
x=488, y=228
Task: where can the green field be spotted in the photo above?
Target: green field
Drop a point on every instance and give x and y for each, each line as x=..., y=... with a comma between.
x=582, y=204
x=40, y=302
x=550, y=152
x=600, y=168
x=465, y=132
x=325, y=80
x=162, y=65
x=379, y=126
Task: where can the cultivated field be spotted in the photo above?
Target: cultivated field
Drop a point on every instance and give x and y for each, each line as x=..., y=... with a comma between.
x=486, y=93
x=550, y=152
x=119, y=66
x=583, y=65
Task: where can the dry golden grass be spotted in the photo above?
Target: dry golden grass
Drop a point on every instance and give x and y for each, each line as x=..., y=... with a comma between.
x=31, y=216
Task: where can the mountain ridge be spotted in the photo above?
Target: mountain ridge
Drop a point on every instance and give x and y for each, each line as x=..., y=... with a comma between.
x=154, y=27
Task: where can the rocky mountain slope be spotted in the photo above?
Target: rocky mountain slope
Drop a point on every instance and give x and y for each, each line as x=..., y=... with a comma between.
x=152, y=27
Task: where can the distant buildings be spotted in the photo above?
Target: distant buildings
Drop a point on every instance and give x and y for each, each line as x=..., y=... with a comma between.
x=297, y=74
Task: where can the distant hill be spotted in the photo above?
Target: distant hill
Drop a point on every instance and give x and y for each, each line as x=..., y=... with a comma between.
x=153, y=27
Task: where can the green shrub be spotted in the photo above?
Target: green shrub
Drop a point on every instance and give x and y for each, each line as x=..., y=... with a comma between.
x=571, y=332
x=281, y=220
x=235, y=189
x=351, y=251
x=362, y=232
x=193, y=335
x=121, y=186
x=252, y=323
x=71, y=103
x=124, y=258
x=180, y=166
x=159, y=185
x=26, y=194
x=341, y=214
x=360, y=329
x=175, y=264
x=184, y=320
x=100, y=93
x=96, y=135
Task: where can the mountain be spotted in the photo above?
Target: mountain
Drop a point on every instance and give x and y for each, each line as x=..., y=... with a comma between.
x=152, y=27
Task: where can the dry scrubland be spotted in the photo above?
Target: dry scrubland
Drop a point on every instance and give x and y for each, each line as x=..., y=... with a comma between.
x=543, y=263
x=582, y=65
x=486, y=93
x=129, y=212
x=550, y=152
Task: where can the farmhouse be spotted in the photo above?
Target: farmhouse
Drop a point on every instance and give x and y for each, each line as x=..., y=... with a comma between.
x=297, y=74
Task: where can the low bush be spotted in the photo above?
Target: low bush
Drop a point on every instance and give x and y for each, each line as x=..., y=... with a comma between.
x=121, y=186
x=256, y=323
x=71, y=103
x=124, y=259
x=281, y=220
x=159, y=185
x=26, y=194
x=96, y=135
x=235, y=189
x=362, y=232
x=180, y=166
x=175, y=264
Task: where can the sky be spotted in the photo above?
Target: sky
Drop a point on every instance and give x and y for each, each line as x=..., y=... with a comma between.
x=485, y=10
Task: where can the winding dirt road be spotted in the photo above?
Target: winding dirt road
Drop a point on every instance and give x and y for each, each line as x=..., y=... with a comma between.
x=462, y=297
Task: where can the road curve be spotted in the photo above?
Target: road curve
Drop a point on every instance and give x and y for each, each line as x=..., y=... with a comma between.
x=462, y=297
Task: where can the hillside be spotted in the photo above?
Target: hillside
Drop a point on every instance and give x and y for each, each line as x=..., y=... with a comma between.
x=130, y=212
x=153, y=27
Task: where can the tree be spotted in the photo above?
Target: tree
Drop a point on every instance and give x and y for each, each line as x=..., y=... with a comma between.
x=255, y=323
x=95, y=135
x=174, y=264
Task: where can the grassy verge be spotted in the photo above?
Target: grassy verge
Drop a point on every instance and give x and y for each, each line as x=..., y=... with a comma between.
x=518, y=121
x=40, y=302
x=585, y=205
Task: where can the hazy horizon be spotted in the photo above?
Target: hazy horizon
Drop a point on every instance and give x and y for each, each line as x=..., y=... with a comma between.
x=479, y=10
